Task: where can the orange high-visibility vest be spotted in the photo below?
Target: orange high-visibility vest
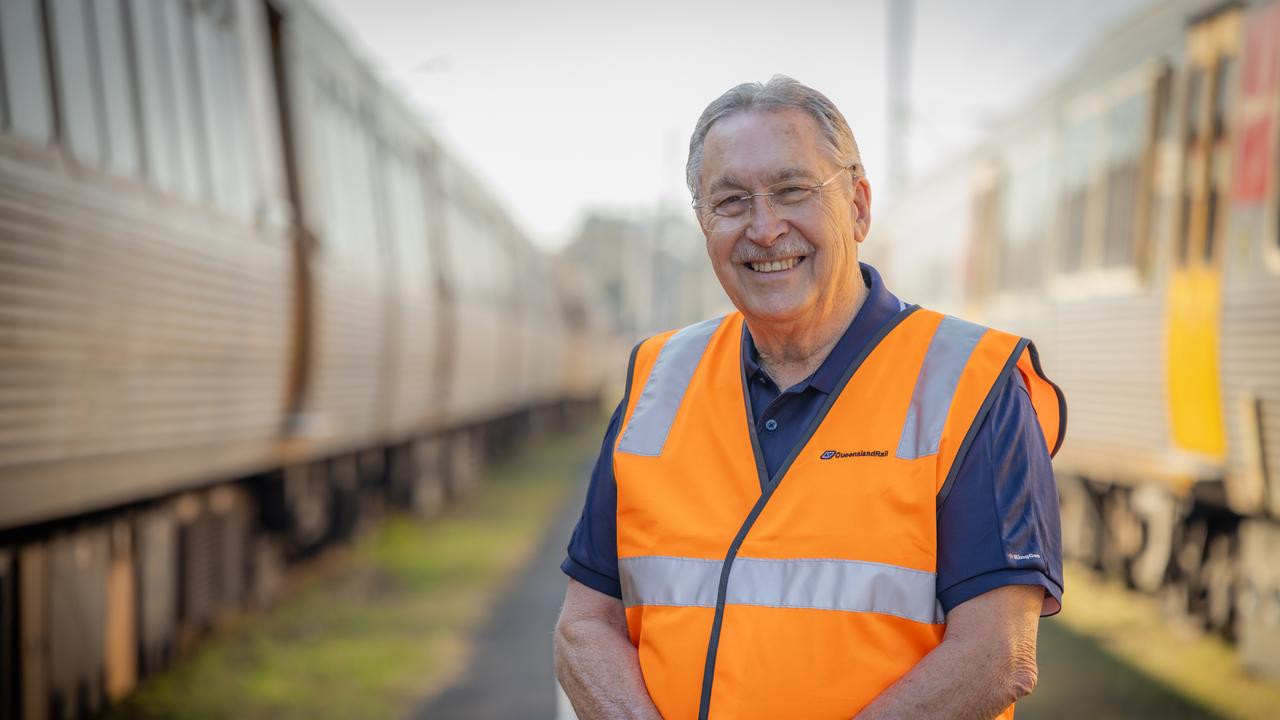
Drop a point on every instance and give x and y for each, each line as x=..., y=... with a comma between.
x=808, y=594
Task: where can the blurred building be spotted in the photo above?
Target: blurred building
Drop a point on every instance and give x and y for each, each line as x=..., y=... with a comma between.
x=651, y=268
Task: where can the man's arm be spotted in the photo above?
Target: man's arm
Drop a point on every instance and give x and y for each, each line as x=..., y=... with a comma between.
x=986, y=661
x=595, y=661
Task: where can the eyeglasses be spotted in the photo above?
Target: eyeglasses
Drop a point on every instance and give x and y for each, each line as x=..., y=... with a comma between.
x=731, y=210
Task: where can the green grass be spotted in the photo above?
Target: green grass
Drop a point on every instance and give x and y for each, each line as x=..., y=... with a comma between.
x=372, y=630
x=1113, y=653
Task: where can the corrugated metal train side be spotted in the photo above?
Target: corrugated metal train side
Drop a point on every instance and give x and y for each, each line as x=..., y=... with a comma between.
x=245, y=301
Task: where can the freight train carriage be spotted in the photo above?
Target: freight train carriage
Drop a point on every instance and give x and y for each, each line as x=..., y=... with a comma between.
x=1128, y=222
x=244, y=298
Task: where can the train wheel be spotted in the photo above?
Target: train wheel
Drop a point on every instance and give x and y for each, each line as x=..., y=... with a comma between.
x=267, y=569
x=1081, y=521
x=1158, y=513
x=157, y=558
x=345, y=506
x=428, y=488
x=1184, y=589
x=1258, y=597
x=465, y=450
x=1123, y=537
x=1219, y=575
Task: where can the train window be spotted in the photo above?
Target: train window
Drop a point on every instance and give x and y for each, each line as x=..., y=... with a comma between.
x=117, y=88
x=408, y=221
x=1223, y=97
x=1163, y=111
x=26, y=80
x=1081, y=149
x=340, y=167
x=232, y=183
x=183, y=80
x=245, y=188
x=1157, y=203
x=486, y=255
x=316, y=183
x=1126, y=134
x=1211, y=222
x=360, y=186
x=348, y=177
x=1195, y=87
x=1223, y=91
x=465, y=249
x=153, y=67
x=220, y=92
x=475, y=245
x=4, y=100
x=332, y=145
x=76, y=87
x=1023, y=209
x=218, y=106
x=1184, y=225
x=461, y=246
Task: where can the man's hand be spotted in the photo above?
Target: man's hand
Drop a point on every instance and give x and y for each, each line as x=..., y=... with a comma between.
x=595, y=661
x=986, y=661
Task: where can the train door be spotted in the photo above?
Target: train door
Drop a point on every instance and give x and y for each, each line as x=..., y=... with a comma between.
x=1195, y=285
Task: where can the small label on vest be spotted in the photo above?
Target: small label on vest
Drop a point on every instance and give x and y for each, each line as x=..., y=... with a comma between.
x=836, y=454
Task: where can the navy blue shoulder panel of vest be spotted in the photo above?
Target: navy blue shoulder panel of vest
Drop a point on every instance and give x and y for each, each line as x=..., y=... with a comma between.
x=1062, y=399
x=768, y=486
x=631, y=374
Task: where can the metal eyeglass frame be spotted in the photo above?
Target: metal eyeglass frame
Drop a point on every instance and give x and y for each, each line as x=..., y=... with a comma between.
x=701, y=206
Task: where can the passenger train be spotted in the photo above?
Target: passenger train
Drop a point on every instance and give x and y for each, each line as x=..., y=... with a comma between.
x=245, y=299
x=1129, y=222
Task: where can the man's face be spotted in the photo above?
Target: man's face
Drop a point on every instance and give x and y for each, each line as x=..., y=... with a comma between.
x=756, y=151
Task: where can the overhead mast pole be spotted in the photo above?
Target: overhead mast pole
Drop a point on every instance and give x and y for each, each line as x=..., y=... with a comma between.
x=898, y=90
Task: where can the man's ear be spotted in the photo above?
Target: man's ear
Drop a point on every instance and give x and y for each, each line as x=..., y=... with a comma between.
x=862, y=207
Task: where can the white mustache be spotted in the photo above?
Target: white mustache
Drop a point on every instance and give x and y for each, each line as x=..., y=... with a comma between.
x=748, y=252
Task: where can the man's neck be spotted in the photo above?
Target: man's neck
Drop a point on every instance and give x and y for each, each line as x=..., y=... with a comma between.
x=792, y=352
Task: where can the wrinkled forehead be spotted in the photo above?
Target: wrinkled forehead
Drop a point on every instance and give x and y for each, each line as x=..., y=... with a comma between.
x=757, y=146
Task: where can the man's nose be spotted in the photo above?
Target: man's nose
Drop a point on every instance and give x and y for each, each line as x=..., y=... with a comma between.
x=765, y=226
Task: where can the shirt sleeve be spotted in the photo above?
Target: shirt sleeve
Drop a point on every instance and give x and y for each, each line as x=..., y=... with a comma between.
x=999, y=525
x=592, y=557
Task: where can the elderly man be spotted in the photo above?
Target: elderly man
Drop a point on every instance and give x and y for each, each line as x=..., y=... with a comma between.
x=828, y=504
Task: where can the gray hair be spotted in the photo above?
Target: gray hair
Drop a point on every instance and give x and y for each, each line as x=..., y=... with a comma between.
x=779, y=93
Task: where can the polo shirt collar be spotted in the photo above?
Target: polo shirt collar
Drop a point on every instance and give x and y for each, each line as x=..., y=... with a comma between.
x=879, y=307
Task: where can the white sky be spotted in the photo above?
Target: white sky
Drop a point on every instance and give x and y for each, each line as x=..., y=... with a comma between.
x=564, y=105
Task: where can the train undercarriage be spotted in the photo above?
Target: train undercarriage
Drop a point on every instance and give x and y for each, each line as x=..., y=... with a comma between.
x=91, y=605
x=1202, y=560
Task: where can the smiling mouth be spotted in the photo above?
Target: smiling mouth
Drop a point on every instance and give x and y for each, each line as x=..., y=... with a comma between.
x=773, y=266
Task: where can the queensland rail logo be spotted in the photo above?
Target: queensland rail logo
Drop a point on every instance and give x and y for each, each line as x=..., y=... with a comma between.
x=836, y=454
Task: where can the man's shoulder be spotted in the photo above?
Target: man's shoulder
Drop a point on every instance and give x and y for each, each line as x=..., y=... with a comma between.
x=950, y=323
x=692, y=332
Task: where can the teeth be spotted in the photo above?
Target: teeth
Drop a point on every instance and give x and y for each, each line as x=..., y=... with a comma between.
x=775, y=266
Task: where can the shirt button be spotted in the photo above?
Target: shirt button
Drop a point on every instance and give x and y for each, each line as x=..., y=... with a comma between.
x=770, y=424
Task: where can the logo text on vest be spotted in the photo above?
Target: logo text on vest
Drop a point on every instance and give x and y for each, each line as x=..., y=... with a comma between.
x=836, y=454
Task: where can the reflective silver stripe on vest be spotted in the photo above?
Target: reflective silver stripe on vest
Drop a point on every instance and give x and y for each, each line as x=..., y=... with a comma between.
x=845, y=585
x=656, y=408
x=948, y=353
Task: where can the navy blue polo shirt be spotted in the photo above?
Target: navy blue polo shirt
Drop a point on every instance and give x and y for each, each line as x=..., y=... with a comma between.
x=998, y=525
